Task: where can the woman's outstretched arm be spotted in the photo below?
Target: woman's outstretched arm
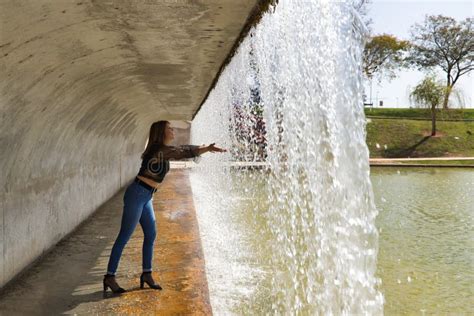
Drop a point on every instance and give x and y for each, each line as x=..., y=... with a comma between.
x=210, y=148
x=187, y=151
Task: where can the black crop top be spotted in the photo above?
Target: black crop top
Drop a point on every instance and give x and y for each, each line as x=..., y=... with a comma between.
x=155, y=164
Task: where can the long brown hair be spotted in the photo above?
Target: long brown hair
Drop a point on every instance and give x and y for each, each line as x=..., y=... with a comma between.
x=157, y=135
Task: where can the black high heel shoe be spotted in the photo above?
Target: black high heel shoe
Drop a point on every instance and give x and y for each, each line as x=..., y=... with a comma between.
x=148, y=279
x=109, y=281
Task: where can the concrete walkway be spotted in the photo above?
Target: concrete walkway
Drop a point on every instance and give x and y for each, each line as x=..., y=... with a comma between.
x=68, y=279
x=420, y=159
x=415, y=162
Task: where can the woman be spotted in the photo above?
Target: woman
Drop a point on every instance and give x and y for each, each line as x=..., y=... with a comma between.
x=138, y=205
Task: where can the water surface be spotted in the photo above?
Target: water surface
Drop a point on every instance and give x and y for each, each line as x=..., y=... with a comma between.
x=426, y=241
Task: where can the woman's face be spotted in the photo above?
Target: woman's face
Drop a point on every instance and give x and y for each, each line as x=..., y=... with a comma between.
x=169, y=133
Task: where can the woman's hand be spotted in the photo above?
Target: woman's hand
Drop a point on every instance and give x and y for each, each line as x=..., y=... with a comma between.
x=213, y=148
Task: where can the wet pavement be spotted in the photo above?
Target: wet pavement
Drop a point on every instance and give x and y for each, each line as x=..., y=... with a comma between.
x=68, y=279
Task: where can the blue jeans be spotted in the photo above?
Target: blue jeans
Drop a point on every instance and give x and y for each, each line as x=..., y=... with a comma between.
x=138, y=207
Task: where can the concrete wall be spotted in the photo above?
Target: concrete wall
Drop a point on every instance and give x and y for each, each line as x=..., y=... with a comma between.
x=81, y=82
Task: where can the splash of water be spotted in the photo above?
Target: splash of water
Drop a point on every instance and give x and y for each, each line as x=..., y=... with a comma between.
x=299, y=73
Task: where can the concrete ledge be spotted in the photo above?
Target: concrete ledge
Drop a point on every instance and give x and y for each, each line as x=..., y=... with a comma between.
x=420, y=159
x=373, y=163
x=420, y=165
x=401, y=162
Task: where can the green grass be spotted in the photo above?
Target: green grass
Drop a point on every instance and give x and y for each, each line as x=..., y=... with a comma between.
x=407, y=138
x=451, y=114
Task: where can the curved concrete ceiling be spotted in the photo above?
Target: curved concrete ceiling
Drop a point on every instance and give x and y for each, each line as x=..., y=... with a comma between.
x=81, y=83
x=155, y=55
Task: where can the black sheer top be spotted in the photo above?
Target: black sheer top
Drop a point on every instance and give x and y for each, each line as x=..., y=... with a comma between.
x=155, y=164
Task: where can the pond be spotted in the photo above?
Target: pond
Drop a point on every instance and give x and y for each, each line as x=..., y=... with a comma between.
x=426, y=241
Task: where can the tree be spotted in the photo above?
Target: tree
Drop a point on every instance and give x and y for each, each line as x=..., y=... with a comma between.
x=383, y=54
x=429, y=93
x=443, y=42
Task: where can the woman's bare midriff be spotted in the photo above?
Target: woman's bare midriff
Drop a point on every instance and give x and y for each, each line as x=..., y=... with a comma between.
x=149, y=181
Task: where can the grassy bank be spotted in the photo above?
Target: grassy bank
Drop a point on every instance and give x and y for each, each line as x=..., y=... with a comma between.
x=404, y=138
x=451, y=114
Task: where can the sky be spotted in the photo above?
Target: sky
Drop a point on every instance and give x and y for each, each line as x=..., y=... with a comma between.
x=396, y=18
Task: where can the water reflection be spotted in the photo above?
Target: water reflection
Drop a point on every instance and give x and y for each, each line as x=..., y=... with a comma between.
x=426, y=238
x=426, y=244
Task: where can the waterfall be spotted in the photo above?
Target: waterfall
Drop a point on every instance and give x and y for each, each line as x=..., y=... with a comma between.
x=291, y=97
